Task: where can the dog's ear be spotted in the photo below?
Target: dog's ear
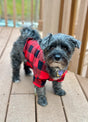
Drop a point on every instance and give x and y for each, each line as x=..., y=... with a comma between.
x=33, y=32
x=46, y=40
x=24, y=30
x=76, y=42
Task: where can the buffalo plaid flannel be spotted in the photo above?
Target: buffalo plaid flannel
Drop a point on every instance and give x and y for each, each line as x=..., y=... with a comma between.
x=35, y=59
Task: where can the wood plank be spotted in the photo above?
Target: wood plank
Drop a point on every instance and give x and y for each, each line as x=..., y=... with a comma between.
x=37, y=9
x=32, y=16
x=51, y=11
x=53, y=112
x=14, y=13
x=84, y=45
x=0, y=29
x=40, y=26
x=84, y=84
x=73, y=17
x=4, y=36
x=25, y=85
x=84, y=71
x=3, y=105
x=5, y=76
x=47, y=4
x=75, y=103
x=87, y=72
x=78, y=34
x=61, y=16
x=55, y=16
x=5, y=11
x=86, y=59
x=22, y=11
x=21, y=108
x=66, y=16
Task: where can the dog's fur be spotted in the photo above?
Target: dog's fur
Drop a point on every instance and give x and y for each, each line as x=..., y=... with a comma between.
x=17, y=56
x=57, y=49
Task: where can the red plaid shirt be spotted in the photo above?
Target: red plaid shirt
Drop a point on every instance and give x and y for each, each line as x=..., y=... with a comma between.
x=35, y=59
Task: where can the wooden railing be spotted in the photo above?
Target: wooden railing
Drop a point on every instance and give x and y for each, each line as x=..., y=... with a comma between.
x=59, y=16
x=69, y=17
x=34, y=4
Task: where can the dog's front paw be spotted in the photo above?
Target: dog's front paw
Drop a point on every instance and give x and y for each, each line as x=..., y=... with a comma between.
x=42, y=100
x=60, y=92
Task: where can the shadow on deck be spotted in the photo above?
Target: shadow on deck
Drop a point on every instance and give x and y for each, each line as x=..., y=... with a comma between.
x=18, y=102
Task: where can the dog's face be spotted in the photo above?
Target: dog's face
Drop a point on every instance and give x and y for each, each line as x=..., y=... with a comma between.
x=58, y=50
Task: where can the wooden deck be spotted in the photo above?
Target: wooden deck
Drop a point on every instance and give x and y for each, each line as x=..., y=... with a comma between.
x=18, y=101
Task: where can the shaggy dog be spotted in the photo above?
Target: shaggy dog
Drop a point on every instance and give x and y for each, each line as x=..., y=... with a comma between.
x=48, y=57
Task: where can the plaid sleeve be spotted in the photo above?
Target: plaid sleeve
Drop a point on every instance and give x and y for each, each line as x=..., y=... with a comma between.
x=38, y=82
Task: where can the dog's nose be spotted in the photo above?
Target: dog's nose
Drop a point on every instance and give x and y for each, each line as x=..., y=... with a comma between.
x=57, y=57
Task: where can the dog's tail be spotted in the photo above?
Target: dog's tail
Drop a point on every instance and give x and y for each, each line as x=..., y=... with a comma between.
x=29, y=32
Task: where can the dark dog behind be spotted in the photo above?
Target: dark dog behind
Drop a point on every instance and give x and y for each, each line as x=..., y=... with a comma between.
x=48, y=57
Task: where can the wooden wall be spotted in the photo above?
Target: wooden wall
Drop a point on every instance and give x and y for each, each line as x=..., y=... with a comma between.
x=51, y=10
x=69, y=17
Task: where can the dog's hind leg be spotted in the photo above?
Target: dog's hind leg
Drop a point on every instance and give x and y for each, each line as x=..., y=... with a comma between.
x=57, y=88
x=16, y=69
x=27, y=70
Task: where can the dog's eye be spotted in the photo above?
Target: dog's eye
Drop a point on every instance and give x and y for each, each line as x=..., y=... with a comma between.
x=52, y=47
x=68, y=51
x=65, y=48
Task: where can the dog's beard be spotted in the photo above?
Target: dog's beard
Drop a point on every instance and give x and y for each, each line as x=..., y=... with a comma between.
x=58, y=65
x=54, y=68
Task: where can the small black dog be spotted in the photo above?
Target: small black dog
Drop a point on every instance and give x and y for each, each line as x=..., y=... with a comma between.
x=48, y=57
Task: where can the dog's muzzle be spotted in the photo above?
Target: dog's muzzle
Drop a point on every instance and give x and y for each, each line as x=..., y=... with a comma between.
x=57, y=57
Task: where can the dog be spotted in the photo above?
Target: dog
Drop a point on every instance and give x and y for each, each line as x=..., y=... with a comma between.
x=48, y=57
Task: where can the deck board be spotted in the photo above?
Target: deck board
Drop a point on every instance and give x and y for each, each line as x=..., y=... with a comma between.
x=84, y=84
x=21, y=108
x=5, y=75
x=4, y=37
x=53, y=112
x=1, y=28
x=17, y=101
x=24, y=85
x=75, y=103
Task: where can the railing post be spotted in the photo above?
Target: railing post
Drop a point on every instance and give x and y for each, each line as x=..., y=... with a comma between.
x=51, y=11
x=61, y=15
x=40, y=26
x=84, y=44
x=36, y=10
x=5, y=11
x=73, y=17
x=87, y=72
x=22, y=11
x=14, y=13
x=78, y=32
x=66, y=16
x=31, y=12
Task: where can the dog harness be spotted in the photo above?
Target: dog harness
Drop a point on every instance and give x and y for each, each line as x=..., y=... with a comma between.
x=35, y=60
